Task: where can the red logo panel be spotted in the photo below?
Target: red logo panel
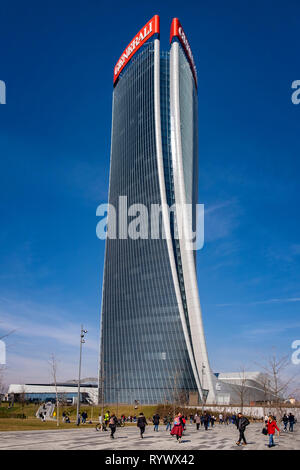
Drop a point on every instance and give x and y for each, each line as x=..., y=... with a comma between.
x=150, y=28
x=177, y=31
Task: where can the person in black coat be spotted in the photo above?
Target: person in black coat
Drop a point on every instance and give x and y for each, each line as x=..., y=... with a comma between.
x=285, y=421
x=241, y=424
x=156, y=418
x=206, y=420
x=291, y=419
x=113, y=424
x=141, y=423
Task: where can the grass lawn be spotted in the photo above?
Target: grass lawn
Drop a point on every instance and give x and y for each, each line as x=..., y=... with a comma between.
x=32, y=424
x=8, y=421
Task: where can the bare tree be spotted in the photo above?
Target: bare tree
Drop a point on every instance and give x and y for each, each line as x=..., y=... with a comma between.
x=274, y=370
x=183, y=397
x=176, y=394
x=297, y=394
x=294, y=392
x=7, y=334
x=241, y=388
x=165, y=401
x=264, y=381
x=53, y=365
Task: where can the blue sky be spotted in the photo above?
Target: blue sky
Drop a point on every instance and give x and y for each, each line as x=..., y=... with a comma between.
x=57, y=61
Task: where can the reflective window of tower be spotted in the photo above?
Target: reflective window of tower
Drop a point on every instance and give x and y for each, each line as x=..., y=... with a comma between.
x=147, y=351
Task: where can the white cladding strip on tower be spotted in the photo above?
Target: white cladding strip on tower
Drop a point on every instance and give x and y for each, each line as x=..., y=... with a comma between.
x=188, y=265
x=165, y=212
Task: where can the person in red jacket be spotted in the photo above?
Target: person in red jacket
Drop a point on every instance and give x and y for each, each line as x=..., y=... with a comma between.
x=271, y=426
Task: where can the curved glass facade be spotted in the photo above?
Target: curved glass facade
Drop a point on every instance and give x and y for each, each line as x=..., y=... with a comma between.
x=150, y=321
x=142, y=343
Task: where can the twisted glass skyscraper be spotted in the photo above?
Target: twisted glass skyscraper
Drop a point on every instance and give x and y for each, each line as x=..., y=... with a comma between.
x=152, y=340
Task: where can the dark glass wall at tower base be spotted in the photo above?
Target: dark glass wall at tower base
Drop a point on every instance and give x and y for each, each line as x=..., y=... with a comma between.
x=143, y=350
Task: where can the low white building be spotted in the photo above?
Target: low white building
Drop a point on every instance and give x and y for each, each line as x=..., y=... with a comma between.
x=231, y=389
x=67, y=392
x=249, y=387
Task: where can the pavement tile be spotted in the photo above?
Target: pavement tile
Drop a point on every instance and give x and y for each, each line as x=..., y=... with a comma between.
x=219, y=438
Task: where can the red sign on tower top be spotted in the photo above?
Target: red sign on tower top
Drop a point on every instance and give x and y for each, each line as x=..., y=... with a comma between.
x=177, y=31
x=150, y=28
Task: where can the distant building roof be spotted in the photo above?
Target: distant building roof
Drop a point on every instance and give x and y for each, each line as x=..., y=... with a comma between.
x=239, y=375
x=87, y=380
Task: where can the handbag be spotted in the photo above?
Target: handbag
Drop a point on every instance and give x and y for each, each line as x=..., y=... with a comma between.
x=264, y=431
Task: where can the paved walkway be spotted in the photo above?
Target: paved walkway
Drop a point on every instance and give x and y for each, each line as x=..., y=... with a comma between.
x=219, y=438
x=127, y=438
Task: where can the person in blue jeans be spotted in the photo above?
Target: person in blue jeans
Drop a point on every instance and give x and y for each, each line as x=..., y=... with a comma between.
x=169, y=422
x=285, y=421
x=156, y=418
x=271, y=426
x=206, y=420
x=291, y=422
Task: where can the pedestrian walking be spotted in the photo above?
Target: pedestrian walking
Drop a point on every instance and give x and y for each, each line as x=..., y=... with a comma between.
x=113, y=425
x=242, y=423
x=106, y=418
x=84, y=416
x=206, y=420
x=178, y=427
x=141, y=423
x=102, y=423
x=169, y=422
x=271, y=426
x=291, y=422
x=285, y=420
x=198, y=422
x=155, y=420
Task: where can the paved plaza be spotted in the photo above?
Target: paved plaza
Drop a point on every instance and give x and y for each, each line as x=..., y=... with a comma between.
x=221, y=437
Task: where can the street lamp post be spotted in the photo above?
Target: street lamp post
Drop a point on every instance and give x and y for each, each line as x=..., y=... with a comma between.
x=82, y=333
